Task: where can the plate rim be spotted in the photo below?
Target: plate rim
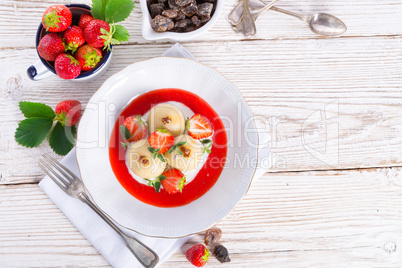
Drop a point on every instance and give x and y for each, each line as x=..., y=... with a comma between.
x=252, y=177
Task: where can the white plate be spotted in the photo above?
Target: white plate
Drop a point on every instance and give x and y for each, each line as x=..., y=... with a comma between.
x=97, y=123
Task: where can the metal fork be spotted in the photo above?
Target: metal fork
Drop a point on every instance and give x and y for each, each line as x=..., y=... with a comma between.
x=73, y=186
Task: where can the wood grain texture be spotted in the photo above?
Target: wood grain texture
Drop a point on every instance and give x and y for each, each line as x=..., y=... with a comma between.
x=363, y=18
x=289, y=84
x=306, y=219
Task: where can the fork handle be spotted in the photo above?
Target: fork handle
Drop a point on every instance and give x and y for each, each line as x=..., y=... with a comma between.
x=147, y=257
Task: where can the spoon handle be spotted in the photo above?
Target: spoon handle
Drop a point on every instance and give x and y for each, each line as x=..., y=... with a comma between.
x=303, y=18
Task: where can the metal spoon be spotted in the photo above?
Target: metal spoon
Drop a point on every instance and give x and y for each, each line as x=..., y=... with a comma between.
x=320, y=23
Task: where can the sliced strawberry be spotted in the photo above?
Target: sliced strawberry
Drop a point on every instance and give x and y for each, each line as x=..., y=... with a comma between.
x=199, y=127
x=174, y=181
x=137, y=128
x=161, y=139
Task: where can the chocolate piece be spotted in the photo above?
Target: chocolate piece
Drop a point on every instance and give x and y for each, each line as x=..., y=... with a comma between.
x=196, y=21
x=212, y=236
x=156, y=9
x=181, y=24
x=161, y=24
x=205, y=9
x=172, y=4
x=205, y=19
x=182, y=3
x=190, y=10
x=170, y=13
x=180, y=16
x=221, y=253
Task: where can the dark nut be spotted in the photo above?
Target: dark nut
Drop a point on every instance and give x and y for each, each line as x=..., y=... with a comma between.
x=212, y=236
x=180, y=16
x=156, y=9
x=161, y=24
x=221, y=253
x=205, y=19
x=205, y=9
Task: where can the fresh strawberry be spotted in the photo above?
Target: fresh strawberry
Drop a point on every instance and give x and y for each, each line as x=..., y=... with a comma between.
x=57, y=18
x=94, y=35
x=161, y=139
x=199, y=127
x=137, y=128
x=74, y=38
x=67, y=67
x=174, y=181
x=84, y=20
x=198, y=255
x=50, y=46
x=68, y=112
x=88, y=57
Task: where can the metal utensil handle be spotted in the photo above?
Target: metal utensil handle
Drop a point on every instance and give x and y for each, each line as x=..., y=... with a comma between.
x=144, y=255
x=303, y=18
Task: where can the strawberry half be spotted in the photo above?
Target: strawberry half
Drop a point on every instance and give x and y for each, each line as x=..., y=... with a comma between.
x=74, y=38
x=57, y=18
x=161, y=139
x=137, y=128
x=198, y=255
x=88, y=57
x=68, y=112
x=85, y=19
x=174, y=181
x=199, y=127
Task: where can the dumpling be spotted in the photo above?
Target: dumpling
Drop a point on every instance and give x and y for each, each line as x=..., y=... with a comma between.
x=141, y=162
x=168, y=116
x=192, y=154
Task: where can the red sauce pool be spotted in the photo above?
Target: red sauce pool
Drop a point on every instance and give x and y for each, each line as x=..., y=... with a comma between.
x=205, y=178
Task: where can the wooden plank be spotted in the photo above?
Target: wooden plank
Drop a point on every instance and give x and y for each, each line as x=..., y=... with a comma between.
x=288, y=83
x=302, y=219
x=363, y=18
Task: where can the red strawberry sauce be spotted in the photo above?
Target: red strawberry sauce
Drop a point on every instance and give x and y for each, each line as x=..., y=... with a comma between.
x=205, y=178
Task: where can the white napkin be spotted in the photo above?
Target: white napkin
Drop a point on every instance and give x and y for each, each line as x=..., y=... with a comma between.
x=98, y=232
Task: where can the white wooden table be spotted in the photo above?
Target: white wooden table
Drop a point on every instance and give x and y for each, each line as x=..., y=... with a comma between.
x=332, y=200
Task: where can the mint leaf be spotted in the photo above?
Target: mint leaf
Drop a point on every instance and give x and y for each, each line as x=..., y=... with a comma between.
x=157, y=186
x=121, y=34
x=206, y=141
x=125, y=132
x=36, y=109
x=161, y=157
x=118, y=10
x=181, y=143
x=161, y=177
x=32, y=131
x=98, y=9
x=62, y=139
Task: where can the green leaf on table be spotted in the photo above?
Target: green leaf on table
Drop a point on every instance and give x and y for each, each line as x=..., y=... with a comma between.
x=36, y=109
x=118, y=10
x=98, y=9
x=125, y=133
x=62, y=139
x=121, y=34
x=32, y=131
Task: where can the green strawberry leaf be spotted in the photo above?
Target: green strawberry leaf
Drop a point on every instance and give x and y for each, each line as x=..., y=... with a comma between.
x=118, y=10
x=121, y=34
x=157, y=186
x=36, y=109
x=98, y=9
x=125, y=133
x=161, y=157
x=32, y=131
x=62, y=139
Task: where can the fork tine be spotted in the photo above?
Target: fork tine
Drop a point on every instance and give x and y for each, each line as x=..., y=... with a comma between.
x=45, y=168
x=62, y=166
x=53, y=162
